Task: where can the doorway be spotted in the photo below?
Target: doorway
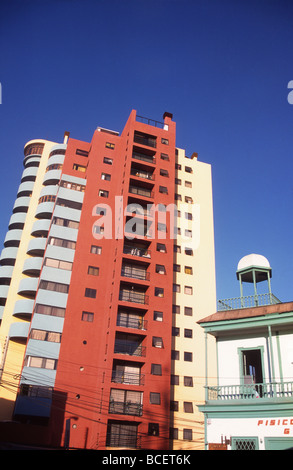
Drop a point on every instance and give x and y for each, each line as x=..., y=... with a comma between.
x=252, y=368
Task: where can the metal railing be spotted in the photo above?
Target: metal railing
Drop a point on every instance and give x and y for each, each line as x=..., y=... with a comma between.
x=280, y=390
x=131, y=322
x=136, y=251
x=142, y=174
x=247, y=301
x=130, y=348
x=151, y=122
x=131, y=296
x=143, y=157
x=148, y=141
x=135, y=273
x=128, y=378
x=141, y=191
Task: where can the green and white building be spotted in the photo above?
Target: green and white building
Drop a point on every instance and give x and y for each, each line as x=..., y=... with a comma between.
x=251, y=408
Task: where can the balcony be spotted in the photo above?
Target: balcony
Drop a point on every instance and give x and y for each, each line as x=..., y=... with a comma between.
x=136, y=251
x=129, y=344
x=138, y=173
x=141, y=191
x=127, y=378
x=131, y=320
x=135, y=272
x=125, y=408
x=133, y=296
x=145, y=139
x=248, y=301
x=281, y=391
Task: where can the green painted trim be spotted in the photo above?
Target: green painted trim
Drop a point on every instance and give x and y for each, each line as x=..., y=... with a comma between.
x=279, y=357
x=240, y=357
x=257, y=409
x=251, y=322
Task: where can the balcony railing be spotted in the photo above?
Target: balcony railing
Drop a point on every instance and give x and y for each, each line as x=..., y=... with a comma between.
x=143, y=157
x=125, y=438
x=151, y=122
x=132, y=322
x=136, y=251
x=125, y=408
x=273, y=390
x=130, y=348
x=128, y=378
x=144, y=140
x=130, y=296
x=135, y=273
x=247, y=301
x=141, y=191
x=142, y=174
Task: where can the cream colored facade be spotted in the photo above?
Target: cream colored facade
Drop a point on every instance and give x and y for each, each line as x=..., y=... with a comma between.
x=16, y=313
x=194, y=280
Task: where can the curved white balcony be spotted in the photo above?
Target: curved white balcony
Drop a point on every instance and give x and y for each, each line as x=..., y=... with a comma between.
x=57, y=159
x=32, y=160
x=3, y=291
x=6, y=272
x=29, y=174
x=23, y=307
x=41, y=228
x=19, y=330
x=28, y=287
x=32, y=266
x=52, y=177
x=21, y=204
x=44, y=210
x=17, y=221
x=12, y=238
x=8, y=256
x=49, y=190
x=25, y=188
x=36, y=246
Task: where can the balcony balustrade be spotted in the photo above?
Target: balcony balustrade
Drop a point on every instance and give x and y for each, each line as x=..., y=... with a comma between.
x=125, y=408
x=143, y=157
x=141, y=191
x=247, y=301
x=130, y=348
x=135, y=273
x=131, y=321
x=142, y=174
x=145, y=140
x=127, y=378
x=136, y=251
x=271, y=390
x=132, y=296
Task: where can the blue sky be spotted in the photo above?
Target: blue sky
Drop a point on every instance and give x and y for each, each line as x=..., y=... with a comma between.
x=221, y=67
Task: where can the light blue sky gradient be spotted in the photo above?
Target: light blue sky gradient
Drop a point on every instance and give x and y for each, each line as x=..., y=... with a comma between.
x=221, y=67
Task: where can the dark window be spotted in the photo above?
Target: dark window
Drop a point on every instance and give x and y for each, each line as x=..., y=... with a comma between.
x=90, y=293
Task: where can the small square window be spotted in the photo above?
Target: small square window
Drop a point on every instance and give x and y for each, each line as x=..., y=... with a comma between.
x=177, y=166
x=188, y=169
x=103, y=193
x=97, y=250
x=156, y=369
x=108, y=161
x=87, y=316
x=176, y=268
x=174, y=355
x=177, y=181
x=188, y=381
x=155, y=398
x=159, y=292
x=160, y=269
x=109, y=145
x=164, y=172
x=163, y=189
x=188, y=290
x=187, y=333
x=176, y=288
x=157, y=342
x=188, y=269
x=188, y=184
x=187, y=356
x=189, y=251
x=175, y=308
x=188, y=311
x=188, y=406
x=154, y=429
x=106, y=176
x=174, y=379
x=175, y=331
x=177, y=249
x=174, y=405
x=161, y=247
x=90, y=293
x=187, y=434
x=94, y=271
x=158, y=316
x=165, y=141
x=165, y=157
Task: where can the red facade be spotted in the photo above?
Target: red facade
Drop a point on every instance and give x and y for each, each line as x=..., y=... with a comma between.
x=112, y=387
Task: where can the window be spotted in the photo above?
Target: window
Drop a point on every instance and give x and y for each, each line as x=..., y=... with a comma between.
x=87, y=316
x=56, y=263
x=156, y=369
x=189, y=251
x=161, y=247
x=65, y=222
x=55, y=286
x=108, y=161
x=103, y=193
x=155, y=398
x=177, y=166
x=47, y=199
x=163, y=189
x=176, y=288
x=188, y=216
x=164, y=172
x=188, y=311
x=83, y=153
x=176, y=268
x=177, y=181
x=174, y=405
x=43, y=335
x=109, y=145
x=173, y=433
x=106, y=176
x=177, y=249
x=188, y=381
x=159, y=292
x=187, y=333
x=165, y=157
x=154, y=429
x=178, y=197
x=73, y=186
x=175, y=331
x=157, y=342
x=61, y=242
x=97, y=250
x=158, y=316
x=40, y=362
x=188, y=290
x=78, y=167
x=90, y=293
x=50, y=310
x=188, y=169
x=188, y=406
x=174, y=355
x=175, y=308
x=160, y=269
x=188, y=233
x=165, y=141
x=187, y=434
x=188, y=199
x=94, y=271
x=174, y=379
x=187, y=356
x=188, y=184
x=188, y=270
